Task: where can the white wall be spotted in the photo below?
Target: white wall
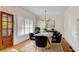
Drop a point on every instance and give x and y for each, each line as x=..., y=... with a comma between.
x=18, y=11
x=23, y=13
x=59, y=24
x=71, y=27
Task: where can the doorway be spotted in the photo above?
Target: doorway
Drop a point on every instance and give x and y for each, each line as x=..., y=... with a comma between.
x=6, y=30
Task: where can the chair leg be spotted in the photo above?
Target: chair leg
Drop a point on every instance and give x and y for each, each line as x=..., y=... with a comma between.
x=36, y=48
x=48, y=44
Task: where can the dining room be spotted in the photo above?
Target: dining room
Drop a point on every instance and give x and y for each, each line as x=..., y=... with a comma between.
x=40, y=29
x=48, y=29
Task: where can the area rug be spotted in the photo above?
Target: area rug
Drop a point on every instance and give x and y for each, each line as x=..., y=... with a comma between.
x=32, y=48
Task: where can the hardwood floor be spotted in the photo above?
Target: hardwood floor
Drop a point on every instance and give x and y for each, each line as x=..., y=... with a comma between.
x=64, y=44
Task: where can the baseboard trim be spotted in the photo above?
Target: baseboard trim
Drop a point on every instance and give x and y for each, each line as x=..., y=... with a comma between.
x=21, y=42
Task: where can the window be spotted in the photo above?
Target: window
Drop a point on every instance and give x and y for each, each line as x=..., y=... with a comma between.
x=31, y=26
x=28, y=26
x=24, y=25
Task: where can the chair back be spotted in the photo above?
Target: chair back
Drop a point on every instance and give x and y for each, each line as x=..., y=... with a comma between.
x=59, y=37
x=41, y=41
x=37, y=30
x=31, y=35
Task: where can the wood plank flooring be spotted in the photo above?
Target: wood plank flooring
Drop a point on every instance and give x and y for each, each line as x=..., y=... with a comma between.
x=64, y=44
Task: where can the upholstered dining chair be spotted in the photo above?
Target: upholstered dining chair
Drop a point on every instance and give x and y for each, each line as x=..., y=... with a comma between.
x=41, y=41
x=32, y=37
x=56, y=38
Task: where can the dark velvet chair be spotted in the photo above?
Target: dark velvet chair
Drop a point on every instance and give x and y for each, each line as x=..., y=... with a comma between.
x=32, y=37
x=41, y=41
x=37, y=30
x=56, y=38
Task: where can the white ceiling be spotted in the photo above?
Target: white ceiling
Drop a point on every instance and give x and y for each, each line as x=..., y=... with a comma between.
x=51, y=10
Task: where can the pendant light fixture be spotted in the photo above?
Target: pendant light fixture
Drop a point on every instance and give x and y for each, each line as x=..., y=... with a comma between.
x=45, y=17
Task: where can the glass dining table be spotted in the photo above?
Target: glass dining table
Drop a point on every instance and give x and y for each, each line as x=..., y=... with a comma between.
x=48, y=34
